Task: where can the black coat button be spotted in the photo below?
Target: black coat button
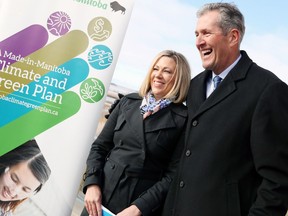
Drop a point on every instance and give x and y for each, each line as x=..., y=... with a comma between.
x=120, y=143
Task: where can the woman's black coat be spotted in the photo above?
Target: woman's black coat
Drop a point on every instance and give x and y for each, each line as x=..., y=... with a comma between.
x=133, y=160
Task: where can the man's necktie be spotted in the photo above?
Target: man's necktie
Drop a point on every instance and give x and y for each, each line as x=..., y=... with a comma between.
x=216, y=81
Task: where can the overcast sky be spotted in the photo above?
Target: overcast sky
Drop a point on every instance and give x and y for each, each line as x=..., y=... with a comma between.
x=170, y=24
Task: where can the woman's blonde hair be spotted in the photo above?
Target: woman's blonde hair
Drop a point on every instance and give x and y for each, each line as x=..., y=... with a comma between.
x=182, y=75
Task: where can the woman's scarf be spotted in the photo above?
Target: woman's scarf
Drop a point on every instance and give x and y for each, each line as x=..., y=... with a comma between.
x=150, y=106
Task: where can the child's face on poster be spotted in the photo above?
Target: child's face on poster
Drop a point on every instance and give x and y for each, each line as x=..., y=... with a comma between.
x=17, y=182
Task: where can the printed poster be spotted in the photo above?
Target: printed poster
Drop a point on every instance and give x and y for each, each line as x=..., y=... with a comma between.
x=57, y=59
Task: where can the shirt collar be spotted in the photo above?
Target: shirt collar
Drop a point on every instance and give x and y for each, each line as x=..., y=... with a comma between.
x=224, y=73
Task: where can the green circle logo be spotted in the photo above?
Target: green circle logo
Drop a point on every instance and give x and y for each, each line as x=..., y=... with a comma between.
x=92, y=90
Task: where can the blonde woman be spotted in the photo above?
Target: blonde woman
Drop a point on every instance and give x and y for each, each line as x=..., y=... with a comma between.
x=132, y=162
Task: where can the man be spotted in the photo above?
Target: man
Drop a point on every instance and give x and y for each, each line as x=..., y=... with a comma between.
x=235, y=161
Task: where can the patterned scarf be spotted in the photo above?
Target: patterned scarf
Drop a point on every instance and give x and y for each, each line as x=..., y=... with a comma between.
x=149, y=104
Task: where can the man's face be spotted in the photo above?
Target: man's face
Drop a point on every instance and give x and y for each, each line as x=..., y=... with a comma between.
x=213, y=45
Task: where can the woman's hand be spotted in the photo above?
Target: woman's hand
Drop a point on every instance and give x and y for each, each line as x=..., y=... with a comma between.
x=130, y=211
x=93, y=200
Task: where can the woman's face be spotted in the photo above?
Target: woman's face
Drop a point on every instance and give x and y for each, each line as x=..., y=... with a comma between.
x=162, y=77
x=17, y=183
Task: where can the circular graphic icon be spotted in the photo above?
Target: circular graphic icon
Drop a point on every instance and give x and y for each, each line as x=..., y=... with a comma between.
x=92, y=90
x=99, y=29
x=59, y=23
x=100, y=57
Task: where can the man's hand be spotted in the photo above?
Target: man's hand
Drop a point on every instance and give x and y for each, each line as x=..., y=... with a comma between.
x=116, y=101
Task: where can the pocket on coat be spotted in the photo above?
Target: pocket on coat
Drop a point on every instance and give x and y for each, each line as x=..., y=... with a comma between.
x=112, y=174
x=233, y=203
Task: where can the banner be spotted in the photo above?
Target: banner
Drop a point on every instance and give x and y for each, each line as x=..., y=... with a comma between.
x=57, y=59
